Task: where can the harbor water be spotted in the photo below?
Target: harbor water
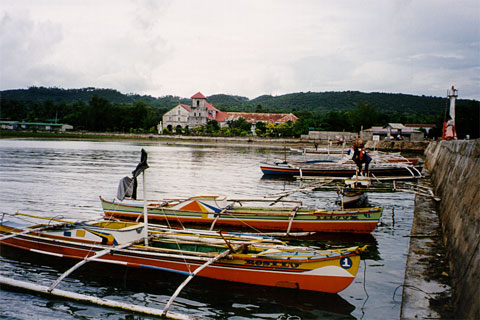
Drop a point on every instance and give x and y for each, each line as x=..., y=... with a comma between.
x=64, y=179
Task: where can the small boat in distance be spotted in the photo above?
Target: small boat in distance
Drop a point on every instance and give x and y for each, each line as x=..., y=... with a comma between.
x=382, y=164
x=332, y=168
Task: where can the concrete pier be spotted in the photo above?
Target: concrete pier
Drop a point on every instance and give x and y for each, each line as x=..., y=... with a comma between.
x=426, y=288
x=445, y=237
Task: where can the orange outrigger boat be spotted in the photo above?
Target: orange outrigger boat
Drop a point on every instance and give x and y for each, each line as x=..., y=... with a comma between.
x=243, y=258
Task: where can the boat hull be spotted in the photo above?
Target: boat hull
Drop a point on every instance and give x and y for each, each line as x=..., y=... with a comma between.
x=330, y=274
x=362, y=220
x=338, y=171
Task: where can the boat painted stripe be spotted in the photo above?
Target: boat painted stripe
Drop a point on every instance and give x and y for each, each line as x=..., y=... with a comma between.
x=166, y=269
x=321, y=271
x=310, y=221
x=123, y=263
x=315, y=217
x=47, y=253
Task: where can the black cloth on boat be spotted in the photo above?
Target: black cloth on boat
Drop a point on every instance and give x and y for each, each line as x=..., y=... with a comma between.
x=128, y=186
x=142, y=166
x=125, y=188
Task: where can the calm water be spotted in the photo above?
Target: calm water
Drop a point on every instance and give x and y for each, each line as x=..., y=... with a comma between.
x=65, y=178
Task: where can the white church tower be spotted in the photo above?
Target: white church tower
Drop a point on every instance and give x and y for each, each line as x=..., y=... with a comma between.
x=198, y=113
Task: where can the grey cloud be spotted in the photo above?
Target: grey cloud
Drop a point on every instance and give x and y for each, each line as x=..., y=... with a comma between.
x=25, y=46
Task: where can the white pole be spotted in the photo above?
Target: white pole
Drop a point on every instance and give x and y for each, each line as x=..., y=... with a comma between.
x=7, y=282
x=453, y=96
x=193, y=274
x=145, y=215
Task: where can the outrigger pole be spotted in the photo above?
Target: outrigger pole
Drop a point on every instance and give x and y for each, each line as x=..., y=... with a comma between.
x=4, y=281
x=97, y=255
x=194, y=273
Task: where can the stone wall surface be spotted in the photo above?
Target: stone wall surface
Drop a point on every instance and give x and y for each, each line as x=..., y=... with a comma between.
x=455, y=172
x=395, y=145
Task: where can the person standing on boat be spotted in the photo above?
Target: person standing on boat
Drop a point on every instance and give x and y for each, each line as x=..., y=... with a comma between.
x=360, y=156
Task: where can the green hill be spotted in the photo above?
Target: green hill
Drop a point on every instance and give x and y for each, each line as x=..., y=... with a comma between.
x=85, y=95
x=320, y=110
x=317, y=102
x=348, y=100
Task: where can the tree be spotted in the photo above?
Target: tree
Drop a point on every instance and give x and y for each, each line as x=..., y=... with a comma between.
x=365, y=115
x=285, y=129
x=99, y=114
x=240, y=123
x=337, y=121
x=271, y=130
x=300, y=127
x=260, y=128
x=225, y=132
x=212, y=127
x=198, y=130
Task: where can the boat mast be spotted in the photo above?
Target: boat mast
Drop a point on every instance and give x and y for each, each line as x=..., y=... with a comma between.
x=145, y=215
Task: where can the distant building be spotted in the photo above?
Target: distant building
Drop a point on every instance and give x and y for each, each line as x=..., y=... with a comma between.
x=254, y=118
x=188, y=117
x=418, y=126
x=40, y=126
x=392, y=131
x=330, y=136
x=200, y=112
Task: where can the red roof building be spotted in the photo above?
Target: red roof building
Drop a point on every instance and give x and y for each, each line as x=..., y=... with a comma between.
x=201, y=111
x=262, y=117
x=198, y=95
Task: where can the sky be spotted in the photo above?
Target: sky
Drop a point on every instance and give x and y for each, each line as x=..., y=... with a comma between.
x=247, y=48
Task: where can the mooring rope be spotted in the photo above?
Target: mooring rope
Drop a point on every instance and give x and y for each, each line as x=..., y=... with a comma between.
x=364, y=287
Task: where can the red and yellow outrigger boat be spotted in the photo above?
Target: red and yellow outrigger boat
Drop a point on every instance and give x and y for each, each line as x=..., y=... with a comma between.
x=243, y=258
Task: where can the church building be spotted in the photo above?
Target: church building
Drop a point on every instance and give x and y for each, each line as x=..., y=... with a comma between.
x=188, y=117
x=200, y=112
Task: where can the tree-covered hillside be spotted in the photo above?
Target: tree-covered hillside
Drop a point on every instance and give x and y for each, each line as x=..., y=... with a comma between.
x=68, y=96
x=344, y=101
x=318, y=102
x=349, y=110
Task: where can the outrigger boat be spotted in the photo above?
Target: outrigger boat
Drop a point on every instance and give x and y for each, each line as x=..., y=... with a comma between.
x=331, y=168
x=250, y=259
x=349, y=198
x=219, y=211
x=383, y=164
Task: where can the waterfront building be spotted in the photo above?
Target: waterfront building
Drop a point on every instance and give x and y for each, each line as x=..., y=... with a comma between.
x=40, y=126
x=201, y=111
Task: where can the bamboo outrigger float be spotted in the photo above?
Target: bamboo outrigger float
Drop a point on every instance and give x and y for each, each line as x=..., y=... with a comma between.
x=7, y=282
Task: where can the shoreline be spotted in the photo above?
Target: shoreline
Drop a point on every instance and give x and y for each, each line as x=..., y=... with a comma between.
x=298, y=143
x=247, y=141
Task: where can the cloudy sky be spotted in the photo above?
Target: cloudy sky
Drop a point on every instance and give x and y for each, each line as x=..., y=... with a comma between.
x=247, y=47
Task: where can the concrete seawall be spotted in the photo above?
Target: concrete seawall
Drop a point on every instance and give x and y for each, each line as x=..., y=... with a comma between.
x=455, y=173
